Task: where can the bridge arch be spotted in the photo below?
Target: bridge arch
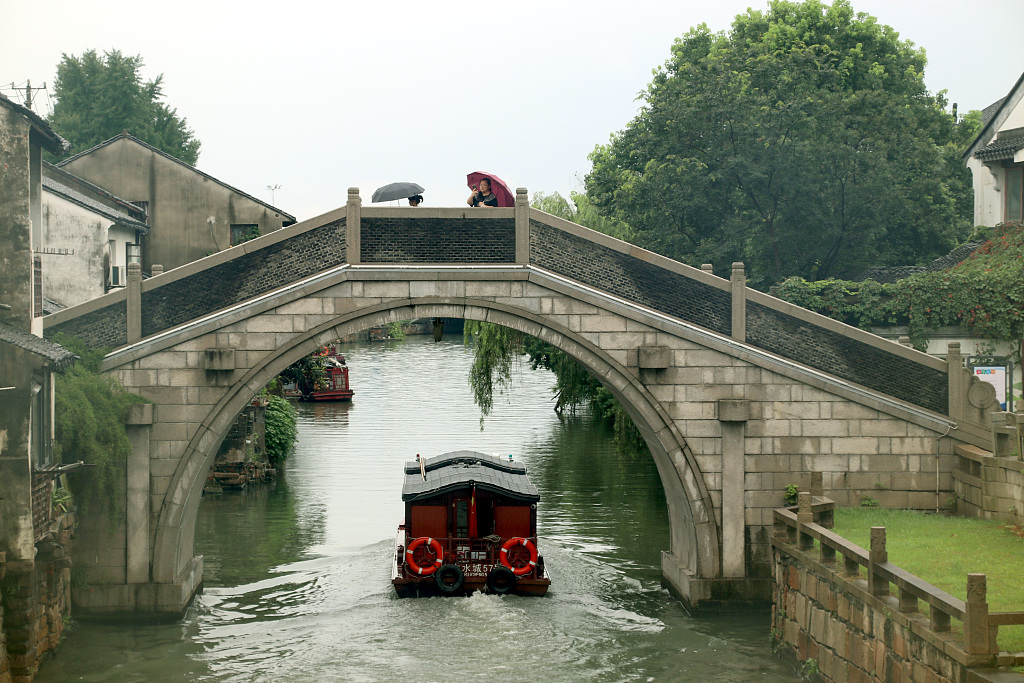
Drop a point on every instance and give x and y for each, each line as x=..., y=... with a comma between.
x=694, y=533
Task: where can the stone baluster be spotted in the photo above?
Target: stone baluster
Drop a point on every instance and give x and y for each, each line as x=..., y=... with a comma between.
x=877, y=585
x=522, y=207
x=134, y=311
x=353, y=243
x=157, y=269
x=976, y=630
x=706, y=267
x=739, y=302
x=957, y=388
x=804, y=516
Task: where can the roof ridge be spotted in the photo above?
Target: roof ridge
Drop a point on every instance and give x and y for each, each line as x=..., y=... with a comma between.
x=128, y=136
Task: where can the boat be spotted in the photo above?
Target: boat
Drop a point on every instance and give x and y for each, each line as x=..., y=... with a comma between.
x=470, y=525
x=336, y=386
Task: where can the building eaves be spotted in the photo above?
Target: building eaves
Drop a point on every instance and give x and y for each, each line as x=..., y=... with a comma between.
x=129, y=136
x=1000, y=149
x=44, y=135
x=56, y=354
x=64, y=177
x=53, y=187
x=987, y=131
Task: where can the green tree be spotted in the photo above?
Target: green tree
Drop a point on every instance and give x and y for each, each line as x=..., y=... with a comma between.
x=803, y=142
x=100, y=96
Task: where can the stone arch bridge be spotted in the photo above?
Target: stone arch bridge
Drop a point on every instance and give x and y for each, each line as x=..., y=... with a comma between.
x=736, y=393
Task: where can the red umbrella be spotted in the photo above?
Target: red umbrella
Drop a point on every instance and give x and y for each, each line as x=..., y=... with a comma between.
x=506, y=197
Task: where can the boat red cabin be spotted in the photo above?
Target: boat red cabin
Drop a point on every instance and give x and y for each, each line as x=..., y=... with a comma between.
x=336, y=373
x=470, y=524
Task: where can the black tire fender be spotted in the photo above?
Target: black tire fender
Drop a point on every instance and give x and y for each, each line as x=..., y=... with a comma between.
x=501, y=580
x=449, y=578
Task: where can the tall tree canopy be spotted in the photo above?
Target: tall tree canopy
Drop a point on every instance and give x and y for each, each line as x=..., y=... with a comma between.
x=803, y=142
x=100, y=96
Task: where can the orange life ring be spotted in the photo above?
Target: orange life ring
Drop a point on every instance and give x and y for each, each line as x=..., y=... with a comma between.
x=526, y=568
x=435, y=545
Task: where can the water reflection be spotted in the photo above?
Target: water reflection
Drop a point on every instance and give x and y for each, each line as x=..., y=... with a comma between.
x=297, y=579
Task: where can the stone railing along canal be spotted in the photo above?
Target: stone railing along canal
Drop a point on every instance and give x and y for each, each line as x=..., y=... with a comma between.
x=835, y=612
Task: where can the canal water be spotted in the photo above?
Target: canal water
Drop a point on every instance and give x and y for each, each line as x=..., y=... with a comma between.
x=297, y=577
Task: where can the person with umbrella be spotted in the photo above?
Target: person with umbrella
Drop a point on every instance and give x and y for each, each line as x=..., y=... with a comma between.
x=482, y=195
x=415, y=200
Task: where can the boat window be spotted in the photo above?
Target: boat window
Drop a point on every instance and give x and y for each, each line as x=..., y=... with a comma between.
x=462, y=518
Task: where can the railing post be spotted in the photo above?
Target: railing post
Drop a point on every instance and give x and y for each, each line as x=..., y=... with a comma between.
x=804, y=516
x=817, y=487
x=954, y=367
x=157, y=269
x=353, y=243
x=878, y=554
x=522, y=226
x=908, y=601
x=976, y=632
x=707, y=268
x=134, y=302
x=739, y=302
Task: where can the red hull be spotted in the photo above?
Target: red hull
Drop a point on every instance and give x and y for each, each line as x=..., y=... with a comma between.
x=329, y=395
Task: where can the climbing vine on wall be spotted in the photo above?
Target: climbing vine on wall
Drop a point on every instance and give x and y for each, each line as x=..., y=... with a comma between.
x=983, y=295
x=89, y=416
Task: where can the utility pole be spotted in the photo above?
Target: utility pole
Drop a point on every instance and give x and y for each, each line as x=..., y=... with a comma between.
x=273, y=188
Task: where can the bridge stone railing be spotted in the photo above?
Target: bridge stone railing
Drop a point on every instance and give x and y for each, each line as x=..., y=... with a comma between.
x=354, y=235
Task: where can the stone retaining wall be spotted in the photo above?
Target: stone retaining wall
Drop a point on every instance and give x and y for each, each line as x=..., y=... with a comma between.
x=35, y=598
x=987, y=486
x=839, y=625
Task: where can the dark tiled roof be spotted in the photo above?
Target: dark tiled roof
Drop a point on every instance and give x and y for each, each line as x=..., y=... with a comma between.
x=459, y=469
x=57, y=188
x=51, y=141
x=988, y=112
x=1000, y=149
x=58, y=355
x=129, y=136
x=51, y=306
x=895, y=273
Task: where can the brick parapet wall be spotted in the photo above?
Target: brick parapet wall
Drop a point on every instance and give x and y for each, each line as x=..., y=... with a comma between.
x=844, y=356
x=236, y=279
x=630, y=278
x=437, y=240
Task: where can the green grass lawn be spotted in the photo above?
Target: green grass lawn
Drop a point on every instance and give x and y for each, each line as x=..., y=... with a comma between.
x=944, y=550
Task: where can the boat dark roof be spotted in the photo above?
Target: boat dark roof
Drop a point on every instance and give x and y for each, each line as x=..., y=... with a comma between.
x=459, y=469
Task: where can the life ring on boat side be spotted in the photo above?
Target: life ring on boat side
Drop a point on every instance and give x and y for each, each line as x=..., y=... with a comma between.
x=435, y=545
x=526, y=568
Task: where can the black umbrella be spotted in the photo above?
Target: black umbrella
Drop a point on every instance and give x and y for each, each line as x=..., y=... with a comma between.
x=395, y=191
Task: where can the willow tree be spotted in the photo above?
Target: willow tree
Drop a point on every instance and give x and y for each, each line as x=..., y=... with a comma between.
x=803, y=141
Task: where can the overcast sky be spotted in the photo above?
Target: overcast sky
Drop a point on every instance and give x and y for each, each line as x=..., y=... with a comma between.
x=318, y=97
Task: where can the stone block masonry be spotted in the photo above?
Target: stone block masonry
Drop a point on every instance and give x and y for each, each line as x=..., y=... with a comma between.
x=837, y=626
